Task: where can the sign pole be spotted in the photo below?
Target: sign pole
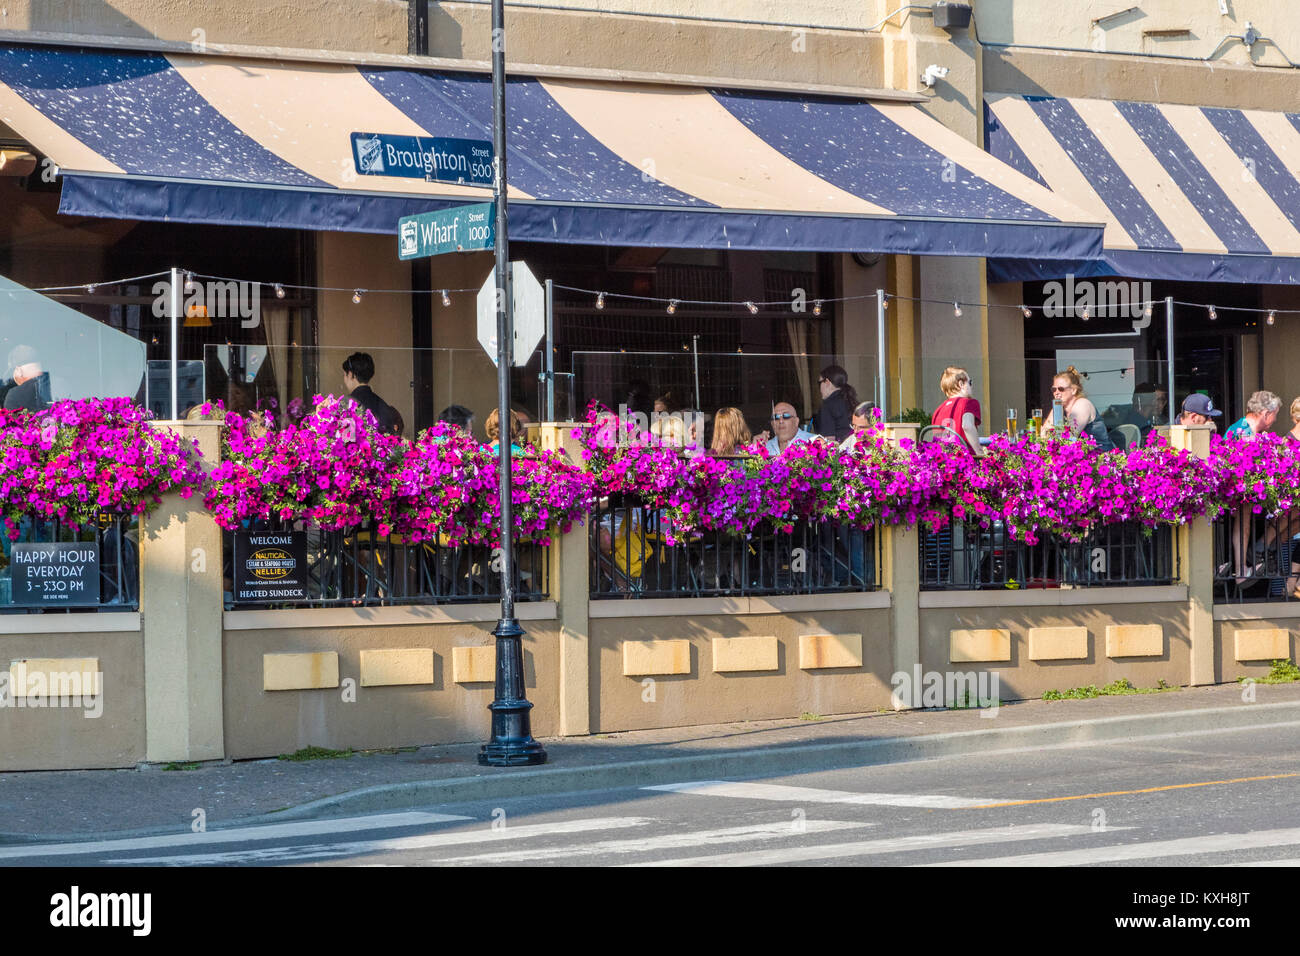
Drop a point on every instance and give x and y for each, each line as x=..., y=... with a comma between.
x=549, y=363
x=174, y=310
x=1169, y=358
x=512, y=743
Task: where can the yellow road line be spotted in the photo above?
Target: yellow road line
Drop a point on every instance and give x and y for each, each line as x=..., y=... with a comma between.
x=1121, y=793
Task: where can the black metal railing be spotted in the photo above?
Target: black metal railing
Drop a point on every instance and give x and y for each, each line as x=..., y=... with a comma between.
x=359, y=568
x=116, y=538
x=965, y=557
x=631, y=557
x=1256, y=558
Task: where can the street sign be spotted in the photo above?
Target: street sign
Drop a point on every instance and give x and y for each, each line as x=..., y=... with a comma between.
x=530, y=314
x=458, y=229
x=435, y=159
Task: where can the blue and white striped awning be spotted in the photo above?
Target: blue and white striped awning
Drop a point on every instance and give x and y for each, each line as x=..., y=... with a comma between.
x=1186, y=192
x=238, y=141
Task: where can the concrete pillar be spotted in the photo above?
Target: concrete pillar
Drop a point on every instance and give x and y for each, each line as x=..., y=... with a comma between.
x=901, y=576
x=570, y=589
x=1196, y=564
x=180, y=611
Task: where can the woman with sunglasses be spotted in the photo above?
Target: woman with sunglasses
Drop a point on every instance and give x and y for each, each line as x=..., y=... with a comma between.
x=1080, y=414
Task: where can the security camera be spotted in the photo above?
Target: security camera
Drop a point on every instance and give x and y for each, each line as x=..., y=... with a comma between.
x=933, y=74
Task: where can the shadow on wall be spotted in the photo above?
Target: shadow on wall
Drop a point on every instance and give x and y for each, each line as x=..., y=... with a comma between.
x=96, y=17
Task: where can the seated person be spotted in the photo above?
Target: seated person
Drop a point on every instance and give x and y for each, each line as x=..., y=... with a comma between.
x=960, y=411
x=785, y=422
x=492, y=428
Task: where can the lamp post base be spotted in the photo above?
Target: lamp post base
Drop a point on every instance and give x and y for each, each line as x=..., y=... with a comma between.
x=512, y=743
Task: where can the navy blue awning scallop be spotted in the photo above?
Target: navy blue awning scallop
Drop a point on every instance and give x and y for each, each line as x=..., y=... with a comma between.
x=217, y=140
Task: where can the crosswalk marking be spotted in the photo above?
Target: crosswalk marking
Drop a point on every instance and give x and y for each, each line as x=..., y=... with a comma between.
x=768, y=791
x=395, y=844
x=665, y=841
x=959, y=838
x=1185, y=846
x=274, y=831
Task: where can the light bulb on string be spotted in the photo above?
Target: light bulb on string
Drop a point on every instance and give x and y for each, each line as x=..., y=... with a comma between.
x=672, y=308
x=1272, y=316
x=1146, y=312
x=1086, y=314
x=817, y=306
x=1213, y=314
x=956, y=310
x=884, y=301
x=753, y=309
x=190, y=284
x=446, y=299
x=600, y=300
x=356, y=296
x=1027, y=311
x=279, y=291
x=91, y=288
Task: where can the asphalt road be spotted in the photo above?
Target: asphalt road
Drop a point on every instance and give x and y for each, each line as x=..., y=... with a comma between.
x=1203, y=799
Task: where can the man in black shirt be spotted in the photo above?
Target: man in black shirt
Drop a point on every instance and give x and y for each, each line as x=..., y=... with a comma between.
x=358, y=370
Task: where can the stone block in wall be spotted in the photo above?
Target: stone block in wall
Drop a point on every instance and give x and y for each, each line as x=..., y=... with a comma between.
x=645, y=658
x=388, y=667
x=1135, y=640
x=1058, y=643
x=310, y=671
x=474, y=665
x=734, y=654
x=984, y=644
x=1261, y=644
x=54, y=677
x=829, y=650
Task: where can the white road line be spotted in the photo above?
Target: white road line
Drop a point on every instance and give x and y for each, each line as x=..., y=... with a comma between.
x=284, y=854
x=929, y=841
x=1186, y=846
x=1289, y=861
x=665, y=841
x=273, y=831
x=768, y=791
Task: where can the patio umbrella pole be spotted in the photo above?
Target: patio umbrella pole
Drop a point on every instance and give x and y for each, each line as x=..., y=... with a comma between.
x=882, y=359
x=174, y=311
x=512, y=743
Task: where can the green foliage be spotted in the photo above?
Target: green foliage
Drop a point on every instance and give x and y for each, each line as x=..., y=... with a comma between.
x=916, y=416
x=1281, y=672
x=1114, y=688
x=181, y=766
x=806, y=715
x=317, y=753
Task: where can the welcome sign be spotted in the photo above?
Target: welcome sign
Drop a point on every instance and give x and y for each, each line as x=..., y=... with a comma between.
x=270, y=566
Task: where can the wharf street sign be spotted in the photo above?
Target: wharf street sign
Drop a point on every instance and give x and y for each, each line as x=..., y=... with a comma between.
x=435, y=159
x=458, y=229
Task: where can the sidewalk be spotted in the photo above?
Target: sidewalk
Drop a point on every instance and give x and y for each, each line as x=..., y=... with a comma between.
x=59, y=805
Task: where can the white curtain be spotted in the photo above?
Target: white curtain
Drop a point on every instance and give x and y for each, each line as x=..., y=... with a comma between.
x=276, y=325
x=798, y=330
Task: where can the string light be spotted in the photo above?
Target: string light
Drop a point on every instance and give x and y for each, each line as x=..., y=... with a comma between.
x=1213, y=314
x=956, y=310
x=1146, y=313
x=356, y=296
x=753, y=309
x=1272, y=316
x=91, y=288
x=1026, y=310
x=279, y=291
x=1086, y=314
x=446, y=299
x=672, y=308
x=190, y=284
x=817, y=306
x=600, y=301
x=884, y=301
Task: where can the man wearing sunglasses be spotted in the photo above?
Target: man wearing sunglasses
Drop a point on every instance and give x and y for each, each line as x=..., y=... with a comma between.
x=785, y=424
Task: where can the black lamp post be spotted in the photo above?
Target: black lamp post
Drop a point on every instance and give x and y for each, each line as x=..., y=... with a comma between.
x=512, y=743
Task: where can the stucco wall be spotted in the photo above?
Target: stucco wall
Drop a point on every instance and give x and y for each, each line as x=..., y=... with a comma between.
x=1228, y=668
x=261, y=723
x=64, y=738
x=1021, y=678
x=702, y=696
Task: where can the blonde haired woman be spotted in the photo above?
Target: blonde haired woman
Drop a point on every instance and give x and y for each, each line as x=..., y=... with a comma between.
x=1080, y=414
x=730, y=432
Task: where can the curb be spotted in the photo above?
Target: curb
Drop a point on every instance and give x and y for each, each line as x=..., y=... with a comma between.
x=785, y=759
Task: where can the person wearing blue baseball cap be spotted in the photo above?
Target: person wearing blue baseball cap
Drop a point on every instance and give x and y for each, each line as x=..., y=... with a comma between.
x=1198, y=409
